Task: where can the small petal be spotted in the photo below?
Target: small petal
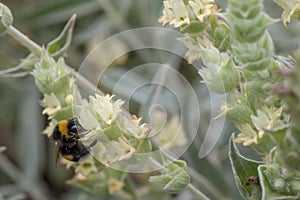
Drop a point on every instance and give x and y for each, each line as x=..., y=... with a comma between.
x=268, y=118
x=69, y=99
x=110, y=152
x=247, y=136
x=51, y=105
x=132, y=126
x=49, y=129
x=104, y=108
x=201, y=8
x=175, y=13
x=181, y=14
x=86, y=166
x=171, y=135
x=115, y=185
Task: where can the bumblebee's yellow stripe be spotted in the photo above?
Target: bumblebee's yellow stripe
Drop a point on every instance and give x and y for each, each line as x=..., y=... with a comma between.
x=68, y=157
x=63, y=128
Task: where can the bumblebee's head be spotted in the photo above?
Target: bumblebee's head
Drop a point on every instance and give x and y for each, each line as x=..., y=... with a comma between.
x=75, y=127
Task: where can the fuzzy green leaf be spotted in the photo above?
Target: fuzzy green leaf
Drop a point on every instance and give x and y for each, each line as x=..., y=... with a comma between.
x=243, y=169
x=239, y=114
x=275, y=191
x=173, y=178
x=221, y=35
x=194, y=27
x=60, y=44
x=144, y=146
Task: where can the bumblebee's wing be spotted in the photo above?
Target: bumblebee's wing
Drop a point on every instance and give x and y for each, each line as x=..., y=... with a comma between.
x=58, y=145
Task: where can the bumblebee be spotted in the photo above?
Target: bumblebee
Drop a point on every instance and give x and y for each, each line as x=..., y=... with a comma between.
x=67, y=134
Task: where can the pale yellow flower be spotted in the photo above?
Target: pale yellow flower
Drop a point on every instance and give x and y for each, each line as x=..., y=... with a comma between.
x=197, y=46
x=172, y=134
x=247, y=136
x=115, y=185
x=51, y=104
x=194, y=51
x=139, y=130
x=113, y=151
x=202, y=8
x=49, y=129
x=86, y=166
x=104, y=108
x=168, y=14
x=291, y=9
x=181, y=14
x=267, y=119
x=133, y=126
x=175, y=13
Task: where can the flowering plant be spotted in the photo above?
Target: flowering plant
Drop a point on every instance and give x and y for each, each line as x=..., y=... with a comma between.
x=239, y=61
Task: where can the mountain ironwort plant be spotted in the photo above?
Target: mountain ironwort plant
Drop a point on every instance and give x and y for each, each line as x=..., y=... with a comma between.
x=238, y=57
x=236, y=49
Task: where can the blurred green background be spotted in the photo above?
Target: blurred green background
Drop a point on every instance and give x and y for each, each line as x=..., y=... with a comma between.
x=27, y=169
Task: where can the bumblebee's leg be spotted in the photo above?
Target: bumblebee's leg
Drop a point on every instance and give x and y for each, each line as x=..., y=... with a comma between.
x=92, y=144
x=70, y=143
x=74, y=153
x=83, y=133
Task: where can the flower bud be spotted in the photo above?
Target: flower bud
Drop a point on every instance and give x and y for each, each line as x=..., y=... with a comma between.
x=6, y=18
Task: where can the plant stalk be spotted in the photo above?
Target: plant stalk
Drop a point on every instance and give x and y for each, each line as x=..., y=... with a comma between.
x=36, y=49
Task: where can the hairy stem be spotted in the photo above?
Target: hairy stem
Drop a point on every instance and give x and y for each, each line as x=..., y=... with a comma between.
x=196, y=192
x=206, y=183
x=24, y=40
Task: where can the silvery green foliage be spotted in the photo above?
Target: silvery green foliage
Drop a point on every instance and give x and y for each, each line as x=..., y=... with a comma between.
x=241, y=57
x=60, y=44
x=243, y=169
x=253, y=51
x=173, y=175
x=247, y=19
